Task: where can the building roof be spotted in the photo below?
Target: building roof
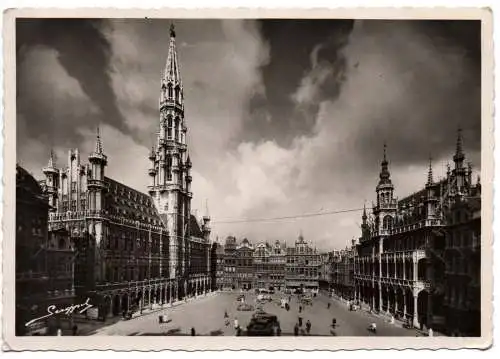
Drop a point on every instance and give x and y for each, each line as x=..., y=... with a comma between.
x=27, y=188
x=194, y=227
x=124, y=201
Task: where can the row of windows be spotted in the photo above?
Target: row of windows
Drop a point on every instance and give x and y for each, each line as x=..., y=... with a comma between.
x=302, y=271
x=119, y=273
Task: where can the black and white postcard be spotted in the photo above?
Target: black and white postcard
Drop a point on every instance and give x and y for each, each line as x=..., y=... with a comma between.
x=174, y=177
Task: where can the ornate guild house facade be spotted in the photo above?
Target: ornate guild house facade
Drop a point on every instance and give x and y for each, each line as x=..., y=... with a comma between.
x=134, y=250
x=410, y=257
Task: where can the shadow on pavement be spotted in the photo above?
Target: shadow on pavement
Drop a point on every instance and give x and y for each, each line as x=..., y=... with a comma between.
x=215, y=333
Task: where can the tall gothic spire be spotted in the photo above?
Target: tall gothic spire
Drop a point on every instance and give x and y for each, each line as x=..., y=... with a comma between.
x=459, y=153
x=98, y=153
x=430, y=180
x=364, y=213
x=51, y=159
x=171, y=73
x=385, y=175
x=98, y=144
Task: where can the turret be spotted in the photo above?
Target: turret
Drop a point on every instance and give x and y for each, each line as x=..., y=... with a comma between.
x=96, y=186
x=386, y=207
x=458, y=158
x=431, y=199
x=206, y=223
x=152, y=167
x=52, y=182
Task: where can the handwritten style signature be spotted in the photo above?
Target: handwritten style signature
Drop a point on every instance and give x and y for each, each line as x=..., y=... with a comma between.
x=52, y=310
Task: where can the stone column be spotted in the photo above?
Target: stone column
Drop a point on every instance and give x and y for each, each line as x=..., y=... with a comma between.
x=380, y=297
x=149, y=299
x=404, y=303
x=110, y=314
x=373, y=301
x=170, y=293
x=395, y=302
x=429, y=310
x=415, y=310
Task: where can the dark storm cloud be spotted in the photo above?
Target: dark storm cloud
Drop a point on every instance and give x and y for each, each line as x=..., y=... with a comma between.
x=84, y=53
x=274, y=115
x=441, y=60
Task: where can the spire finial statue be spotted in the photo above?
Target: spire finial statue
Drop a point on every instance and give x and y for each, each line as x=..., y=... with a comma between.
x=385, y=175
x=172, y=30
x=51, y=158
x=98, y=144
x=459, y=153
x=429, y=174
x=206, y=208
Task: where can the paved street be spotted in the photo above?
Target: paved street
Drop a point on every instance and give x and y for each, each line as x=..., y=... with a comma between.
x=206, y=315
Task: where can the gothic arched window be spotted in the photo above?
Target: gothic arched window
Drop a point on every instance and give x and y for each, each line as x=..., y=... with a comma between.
x=169, y=127
x=169, y=168
x=177, y=94
x=170, y=92
x=388, y=222
x=176, y=128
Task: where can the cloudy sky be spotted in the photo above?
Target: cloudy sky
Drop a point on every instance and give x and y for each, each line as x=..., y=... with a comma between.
x=285, y=117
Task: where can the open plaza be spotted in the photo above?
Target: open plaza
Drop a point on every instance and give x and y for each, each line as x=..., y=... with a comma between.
x=206, y=314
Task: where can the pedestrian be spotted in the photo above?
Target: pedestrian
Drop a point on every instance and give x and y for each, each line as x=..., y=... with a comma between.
x=431, y=332
x=75, y=329
x=328, y=305
x=225, y=314
x=300, y=321
x=296, y=329
x=236, y=324
x=308, y=326
x=59, y=332
x=300, y=308
x=193, y=332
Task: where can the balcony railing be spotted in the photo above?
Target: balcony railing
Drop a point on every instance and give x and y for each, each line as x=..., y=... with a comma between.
x=32, y=275
x=416, y=225
x=96, y=182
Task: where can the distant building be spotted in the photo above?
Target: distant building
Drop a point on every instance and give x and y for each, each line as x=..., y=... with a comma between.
x=217, y=262
x=462, y=276
x=269, y=266
x=230, y=275
x=408, y=263
x=324, y=271
x=244, y=265
x=302, y=266
x=43, y=263
x=342, y=273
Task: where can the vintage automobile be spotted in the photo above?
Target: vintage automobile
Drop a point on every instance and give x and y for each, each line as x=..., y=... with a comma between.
x=306, y=300
x=243, y=307
x=262, y=324
x=264, y=297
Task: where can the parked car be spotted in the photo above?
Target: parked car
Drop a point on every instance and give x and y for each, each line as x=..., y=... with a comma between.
x=243, y=307
x=264, y=297
x=262, y=324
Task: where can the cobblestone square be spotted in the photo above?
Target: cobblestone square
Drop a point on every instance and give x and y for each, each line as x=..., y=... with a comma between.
x=206, y=315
